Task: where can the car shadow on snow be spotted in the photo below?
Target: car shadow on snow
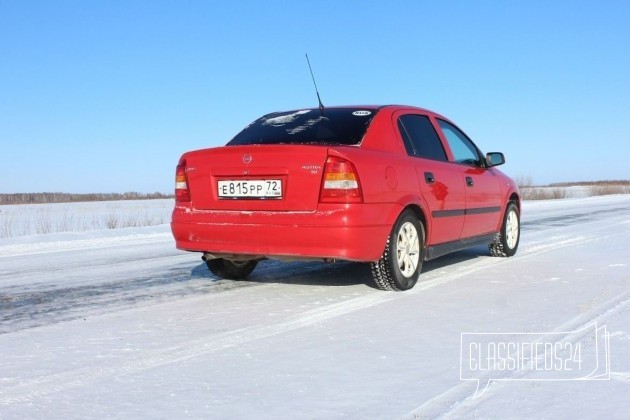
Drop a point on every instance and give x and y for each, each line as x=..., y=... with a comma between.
x=341, y=273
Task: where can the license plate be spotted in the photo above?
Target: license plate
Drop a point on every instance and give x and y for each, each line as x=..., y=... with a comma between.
x=251, y=188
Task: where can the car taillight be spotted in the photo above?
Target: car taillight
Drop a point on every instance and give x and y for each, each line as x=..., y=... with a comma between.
x=341, y=182
x=182, y=193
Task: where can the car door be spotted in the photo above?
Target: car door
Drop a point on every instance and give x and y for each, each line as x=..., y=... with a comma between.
x=483, y=190
x=438, y=179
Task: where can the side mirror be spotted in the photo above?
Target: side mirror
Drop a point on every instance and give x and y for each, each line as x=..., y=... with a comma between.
x=495, y=159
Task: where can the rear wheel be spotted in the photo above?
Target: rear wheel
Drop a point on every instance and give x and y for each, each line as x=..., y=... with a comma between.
x=510, y=234
x=400, y=265
x=233, y=270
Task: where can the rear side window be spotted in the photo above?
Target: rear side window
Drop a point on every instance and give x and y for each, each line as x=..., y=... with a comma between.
x=420, y=137
x=335, y=126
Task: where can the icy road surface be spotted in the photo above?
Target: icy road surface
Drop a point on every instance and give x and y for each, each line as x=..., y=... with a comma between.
x=119, y=324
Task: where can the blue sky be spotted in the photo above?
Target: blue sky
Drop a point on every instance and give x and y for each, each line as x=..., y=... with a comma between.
x=104, y=96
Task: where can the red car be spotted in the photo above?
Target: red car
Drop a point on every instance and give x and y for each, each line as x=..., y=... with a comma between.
x=388, y=185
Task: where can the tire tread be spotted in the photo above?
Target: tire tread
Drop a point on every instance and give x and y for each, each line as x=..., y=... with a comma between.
x=227, y=270
x=382, y=270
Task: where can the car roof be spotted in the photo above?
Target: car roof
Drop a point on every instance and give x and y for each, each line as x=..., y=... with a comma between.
x=392, y=107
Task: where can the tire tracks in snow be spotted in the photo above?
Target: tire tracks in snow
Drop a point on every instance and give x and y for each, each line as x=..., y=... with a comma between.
x=59, y=382
x=37, y=305
x=566, y=219
x=39, y=248
x=458, y=402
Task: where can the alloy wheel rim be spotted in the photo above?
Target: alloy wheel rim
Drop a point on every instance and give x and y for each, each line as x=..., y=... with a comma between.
x=511, y=229
x=408, y=249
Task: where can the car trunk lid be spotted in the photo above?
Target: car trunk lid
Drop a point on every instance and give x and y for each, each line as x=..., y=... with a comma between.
x=256, y=177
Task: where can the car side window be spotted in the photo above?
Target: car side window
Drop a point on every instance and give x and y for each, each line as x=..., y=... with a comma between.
x=420, y=137
x=464, y=151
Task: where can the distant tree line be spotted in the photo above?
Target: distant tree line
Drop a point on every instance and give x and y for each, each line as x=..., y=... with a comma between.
x=526, y=181
x=57, y=197
x=591, y=183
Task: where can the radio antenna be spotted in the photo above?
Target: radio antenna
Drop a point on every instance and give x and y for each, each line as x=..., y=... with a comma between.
x=321, y=106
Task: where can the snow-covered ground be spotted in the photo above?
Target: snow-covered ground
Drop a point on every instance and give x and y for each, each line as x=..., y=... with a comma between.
x=30, y=219
x=576, y=191
x=119, y=324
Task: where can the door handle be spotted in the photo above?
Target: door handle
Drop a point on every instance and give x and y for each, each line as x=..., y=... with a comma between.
x=429, y=178
x=469, y=181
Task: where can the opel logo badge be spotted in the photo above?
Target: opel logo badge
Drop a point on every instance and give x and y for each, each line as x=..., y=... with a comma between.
x=247, y=159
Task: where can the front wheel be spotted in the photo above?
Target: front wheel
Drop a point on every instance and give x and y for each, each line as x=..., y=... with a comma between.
x=233, y=270
x=510, y=234
x=400, y=265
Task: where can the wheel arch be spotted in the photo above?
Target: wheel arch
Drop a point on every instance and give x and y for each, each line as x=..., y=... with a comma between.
x=416, y=205
x=417, y=210
x=514, y=197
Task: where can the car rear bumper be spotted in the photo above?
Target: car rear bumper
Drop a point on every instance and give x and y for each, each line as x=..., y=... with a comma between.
x=355, y=232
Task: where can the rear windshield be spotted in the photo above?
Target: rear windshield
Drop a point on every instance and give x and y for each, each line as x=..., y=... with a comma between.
x=335, y=126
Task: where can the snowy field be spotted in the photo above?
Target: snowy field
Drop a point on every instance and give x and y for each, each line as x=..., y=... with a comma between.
x=30, y=219
x=116, y=323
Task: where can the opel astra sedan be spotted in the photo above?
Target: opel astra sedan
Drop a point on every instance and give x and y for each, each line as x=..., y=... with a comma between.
x=392, y=186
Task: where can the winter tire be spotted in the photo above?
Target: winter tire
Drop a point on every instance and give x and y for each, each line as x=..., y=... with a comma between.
x=233, y=270
x=400, y=265
x=510, y=234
